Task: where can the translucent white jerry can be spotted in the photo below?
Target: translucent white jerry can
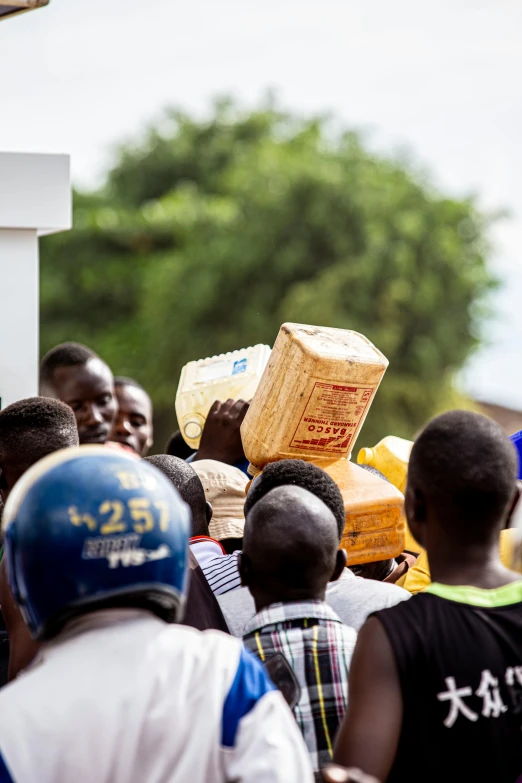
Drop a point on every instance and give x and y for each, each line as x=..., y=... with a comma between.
x=233, y=375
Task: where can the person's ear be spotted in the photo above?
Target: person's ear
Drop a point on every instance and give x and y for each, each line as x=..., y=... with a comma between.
x=415, y=505
x=341, y=559
x=245, y=569
x=514, y=503
x=416, y=511
x=209, y=511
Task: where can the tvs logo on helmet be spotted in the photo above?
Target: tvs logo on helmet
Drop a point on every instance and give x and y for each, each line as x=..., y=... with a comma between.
x=136, y=557
x=122, y=551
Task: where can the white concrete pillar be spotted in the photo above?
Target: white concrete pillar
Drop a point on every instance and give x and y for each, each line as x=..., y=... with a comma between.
x=35, y=199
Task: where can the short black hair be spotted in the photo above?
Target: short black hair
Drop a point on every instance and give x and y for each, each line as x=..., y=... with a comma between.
x=301, y=474
x=467, y=467
x=189, y=486
x=295, y=549
x=178, y=447
x=64, y=355
x=121, y=380
x=32, y=428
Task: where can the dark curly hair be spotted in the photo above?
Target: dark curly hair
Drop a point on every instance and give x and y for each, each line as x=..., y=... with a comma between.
x=301, y=474
x=32, y=428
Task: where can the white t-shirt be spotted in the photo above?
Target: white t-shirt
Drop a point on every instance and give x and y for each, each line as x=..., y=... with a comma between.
x=122, y=697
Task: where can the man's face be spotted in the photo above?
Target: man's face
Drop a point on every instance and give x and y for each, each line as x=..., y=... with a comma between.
x=133, y=423
x=89, y=390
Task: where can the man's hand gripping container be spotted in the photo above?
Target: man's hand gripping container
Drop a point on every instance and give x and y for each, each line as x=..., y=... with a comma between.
x=233, y=375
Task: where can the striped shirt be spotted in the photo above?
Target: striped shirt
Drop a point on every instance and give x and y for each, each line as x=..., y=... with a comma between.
x=221, y=570
x=318, y=647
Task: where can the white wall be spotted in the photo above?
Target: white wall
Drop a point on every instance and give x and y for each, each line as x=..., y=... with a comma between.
x=35, y=199
x=19, y=312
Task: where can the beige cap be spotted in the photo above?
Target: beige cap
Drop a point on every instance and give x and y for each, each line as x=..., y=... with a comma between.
x=224, y=488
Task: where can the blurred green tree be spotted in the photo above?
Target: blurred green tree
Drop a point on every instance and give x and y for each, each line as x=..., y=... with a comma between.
x=207, y=235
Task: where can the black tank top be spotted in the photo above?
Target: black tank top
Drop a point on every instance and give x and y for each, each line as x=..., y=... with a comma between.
x=458, y=652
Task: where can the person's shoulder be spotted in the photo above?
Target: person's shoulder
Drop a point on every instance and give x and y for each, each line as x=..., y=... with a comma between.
x=353, y=598
x=237, y=607
x=238, y=602
x=212, y=639
x=190, y=639
x=382, y=594
x=414, y=608
x=183, y=648
x=346, y=637
x=239, y=597
x=337, y=628
x=390, y=593
x=183, y=654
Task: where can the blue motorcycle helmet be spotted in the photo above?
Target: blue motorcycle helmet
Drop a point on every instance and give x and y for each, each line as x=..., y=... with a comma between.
x=91, y=528
x=516, y=440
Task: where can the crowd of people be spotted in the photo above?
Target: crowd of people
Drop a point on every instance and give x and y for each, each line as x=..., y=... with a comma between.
x=309, y=667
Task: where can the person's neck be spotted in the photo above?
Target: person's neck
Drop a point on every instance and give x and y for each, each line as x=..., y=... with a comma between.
x=478, y=565
x=262, y=600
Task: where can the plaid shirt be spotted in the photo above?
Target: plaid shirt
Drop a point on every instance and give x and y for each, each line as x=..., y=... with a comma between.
x=319, y=647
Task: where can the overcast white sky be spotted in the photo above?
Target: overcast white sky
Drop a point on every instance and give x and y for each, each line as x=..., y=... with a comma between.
x=442, y=79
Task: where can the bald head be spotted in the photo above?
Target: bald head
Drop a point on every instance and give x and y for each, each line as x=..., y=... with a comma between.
x=290, y=547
